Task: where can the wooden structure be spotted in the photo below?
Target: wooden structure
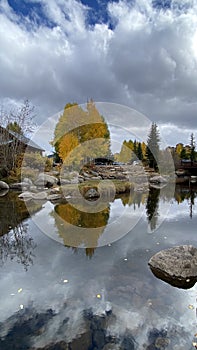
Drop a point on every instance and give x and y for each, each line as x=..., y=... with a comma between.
x=13, y=144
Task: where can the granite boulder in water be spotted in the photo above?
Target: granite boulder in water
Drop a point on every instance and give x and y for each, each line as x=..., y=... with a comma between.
x=177, y=266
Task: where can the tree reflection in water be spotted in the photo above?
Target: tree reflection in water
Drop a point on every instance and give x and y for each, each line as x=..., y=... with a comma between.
x=15, y=241
x=152, y=207
x=136, y=199
x=72, y=224
x=18, y=245
x=186, y=193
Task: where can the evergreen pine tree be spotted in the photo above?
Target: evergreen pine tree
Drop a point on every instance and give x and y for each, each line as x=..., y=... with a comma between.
x=152, y=150
x=192, y=148
x=139, y=151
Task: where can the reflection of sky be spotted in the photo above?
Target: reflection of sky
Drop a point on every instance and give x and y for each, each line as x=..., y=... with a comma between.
x=113, y=270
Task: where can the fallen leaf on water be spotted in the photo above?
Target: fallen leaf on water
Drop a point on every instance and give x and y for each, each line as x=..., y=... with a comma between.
x=191, y=307
x=20, y=290
x=98, y=296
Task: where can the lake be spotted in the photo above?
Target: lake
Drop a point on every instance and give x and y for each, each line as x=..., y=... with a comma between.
x=79, y=279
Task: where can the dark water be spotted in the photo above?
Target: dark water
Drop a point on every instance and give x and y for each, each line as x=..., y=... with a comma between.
x=64, y=288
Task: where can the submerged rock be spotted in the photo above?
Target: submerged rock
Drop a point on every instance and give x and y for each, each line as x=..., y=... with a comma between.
x=177, y=266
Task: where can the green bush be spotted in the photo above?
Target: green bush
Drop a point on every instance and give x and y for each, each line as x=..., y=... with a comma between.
x=36, y=161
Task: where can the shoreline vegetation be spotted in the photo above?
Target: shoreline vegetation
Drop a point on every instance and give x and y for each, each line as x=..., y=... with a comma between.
x=80, y=137
x=92, y=182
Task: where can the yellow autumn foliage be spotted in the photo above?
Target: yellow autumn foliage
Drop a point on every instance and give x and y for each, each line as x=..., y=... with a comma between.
x=81, y=134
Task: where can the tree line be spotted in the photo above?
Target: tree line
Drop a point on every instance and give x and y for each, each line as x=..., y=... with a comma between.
x=146, y=152
x=80, y=136
x=150, y=153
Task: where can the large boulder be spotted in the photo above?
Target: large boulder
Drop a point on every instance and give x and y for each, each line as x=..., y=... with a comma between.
x=177, y=266
x=45, y=180
x=92, y=193
x=4, y=186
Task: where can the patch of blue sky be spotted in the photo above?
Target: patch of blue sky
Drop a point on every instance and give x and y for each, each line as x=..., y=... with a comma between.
x=162, y=4
x=178, y=5
x=98, y=12
x=33, y=11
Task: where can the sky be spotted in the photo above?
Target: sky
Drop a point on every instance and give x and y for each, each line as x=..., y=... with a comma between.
x=140, y=54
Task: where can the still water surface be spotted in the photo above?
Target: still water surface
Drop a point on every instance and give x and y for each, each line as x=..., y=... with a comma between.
x=53, y=285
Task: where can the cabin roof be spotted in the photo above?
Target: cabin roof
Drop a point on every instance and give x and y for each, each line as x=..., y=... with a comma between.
x=25, y=140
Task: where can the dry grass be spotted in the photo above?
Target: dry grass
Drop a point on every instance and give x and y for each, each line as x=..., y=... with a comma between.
x=107, y=187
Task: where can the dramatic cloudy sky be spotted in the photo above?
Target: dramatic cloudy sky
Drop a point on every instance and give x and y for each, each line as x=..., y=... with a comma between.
x=138, y=53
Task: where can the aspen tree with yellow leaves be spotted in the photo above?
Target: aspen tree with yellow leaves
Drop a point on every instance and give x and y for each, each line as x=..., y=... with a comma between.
x=81, y=134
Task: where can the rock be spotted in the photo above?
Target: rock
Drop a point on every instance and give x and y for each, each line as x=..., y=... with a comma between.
x=40, y=196
x=33, y=188
x=19, y=186
x=55, y=190
x=54, y=197
x=121, y=177
x=177, y=266
x=92, y=193
x=28, y=181
x=74, y=180
x=4, y=185
x=95, y=178
x=54, y=173
x=46, y=180
x=180, y=172
x=94, y=172
x=26, y=195
x=158, y=179
x=64, y=182
x=86, y=174
x=158, y=186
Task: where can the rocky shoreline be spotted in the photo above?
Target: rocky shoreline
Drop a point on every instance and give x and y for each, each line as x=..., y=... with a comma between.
x=115, y=179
